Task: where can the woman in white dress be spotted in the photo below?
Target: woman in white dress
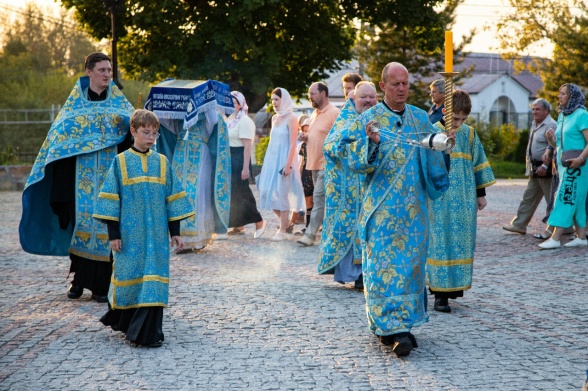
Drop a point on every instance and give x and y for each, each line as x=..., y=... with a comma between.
x=279, y=184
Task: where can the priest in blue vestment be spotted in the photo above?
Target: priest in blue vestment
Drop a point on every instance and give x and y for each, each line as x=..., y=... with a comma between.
x=393, y=220
x=340, y=252
x=141, y=201
x=62, y=189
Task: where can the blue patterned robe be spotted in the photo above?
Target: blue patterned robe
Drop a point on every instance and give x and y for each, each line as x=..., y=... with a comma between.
x=202, y=161
x=340, y=252
x=453, y=216
x=393, y=220
x=143, y=194
x=91, y=131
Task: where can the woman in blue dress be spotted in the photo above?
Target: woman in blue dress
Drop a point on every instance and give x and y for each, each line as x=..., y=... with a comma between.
x=279, y=184
x=570, y=198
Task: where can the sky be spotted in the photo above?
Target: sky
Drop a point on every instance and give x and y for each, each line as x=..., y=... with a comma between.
x=478, y=14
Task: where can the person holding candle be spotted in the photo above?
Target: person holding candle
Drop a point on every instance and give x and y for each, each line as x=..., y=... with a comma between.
x=453, y=216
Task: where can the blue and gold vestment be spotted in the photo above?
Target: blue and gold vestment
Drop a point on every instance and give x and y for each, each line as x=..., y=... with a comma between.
x=453, y=216
x=339, y=242
x=90, y=131
x=143, y=194
x=393, y=219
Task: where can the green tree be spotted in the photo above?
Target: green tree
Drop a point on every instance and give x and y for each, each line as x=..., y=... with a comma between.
x=40, y=56
x=562, y=23
x=251, y=45
x=414, y=38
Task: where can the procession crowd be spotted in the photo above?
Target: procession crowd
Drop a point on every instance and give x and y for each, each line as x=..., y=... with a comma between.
x=384, y=188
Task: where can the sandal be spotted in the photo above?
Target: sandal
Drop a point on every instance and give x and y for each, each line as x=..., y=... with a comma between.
x=542, y=235
x=236, y=231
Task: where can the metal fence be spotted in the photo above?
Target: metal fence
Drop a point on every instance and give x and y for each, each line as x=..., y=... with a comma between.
x=29, y=116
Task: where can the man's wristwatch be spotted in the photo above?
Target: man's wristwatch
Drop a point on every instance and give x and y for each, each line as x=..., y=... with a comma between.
x=544, y=166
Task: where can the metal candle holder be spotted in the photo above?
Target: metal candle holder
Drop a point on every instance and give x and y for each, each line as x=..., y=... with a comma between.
x=448, y=116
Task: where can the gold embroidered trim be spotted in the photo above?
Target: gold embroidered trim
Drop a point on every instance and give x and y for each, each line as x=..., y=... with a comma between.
x=109, y=196
x=93, y=257
x=182, y=216
x=462, y=155
x=105, y=217
x=486, y=184
x=133, y=181
x=120, y=307
x=141, y=280
x=454, y=262
x=176, y=196
x=482, y=166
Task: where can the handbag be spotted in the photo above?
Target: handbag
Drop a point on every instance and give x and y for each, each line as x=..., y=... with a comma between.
x=566, y=156
x=571, y=154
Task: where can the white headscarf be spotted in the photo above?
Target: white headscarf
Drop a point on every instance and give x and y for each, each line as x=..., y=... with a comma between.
x=244, y=108
x=286, y=105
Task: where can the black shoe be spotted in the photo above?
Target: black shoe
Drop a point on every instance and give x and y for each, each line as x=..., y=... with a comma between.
x=74, y=291
x=100, y=299
x=442, y=305
x=157, y=344
x=402, y=346
x=386, y=339
x=359, y=282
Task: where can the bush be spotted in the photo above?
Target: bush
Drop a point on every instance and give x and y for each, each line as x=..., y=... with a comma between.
x=508, y=170
x=498, y=142
x=7, y=156
x=260, y=149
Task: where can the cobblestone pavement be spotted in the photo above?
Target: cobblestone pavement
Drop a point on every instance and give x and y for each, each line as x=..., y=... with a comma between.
x=255, y=315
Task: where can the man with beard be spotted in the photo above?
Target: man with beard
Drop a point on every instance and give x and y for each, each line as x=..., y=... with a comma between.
x=321, y=122
x=340, y=253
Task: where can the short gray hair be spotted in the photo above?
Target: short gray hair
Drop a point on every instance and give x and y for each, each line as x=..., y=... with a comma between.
x=543, y=103
x=439, y=84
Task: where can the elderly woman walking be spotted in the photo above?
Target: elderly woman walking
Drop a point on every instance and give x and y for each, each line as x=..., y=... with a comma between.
x=571, y=140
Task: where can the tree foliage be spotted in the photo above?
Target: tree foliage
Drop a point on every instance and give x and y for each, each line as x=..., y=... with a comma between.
x=39, y=58
x=416, y=41
x=252, y=45
x=564, y=24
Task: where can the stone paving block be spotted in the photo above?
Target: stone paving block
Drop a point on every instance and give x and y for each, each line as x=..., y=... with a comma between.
x=250, y=314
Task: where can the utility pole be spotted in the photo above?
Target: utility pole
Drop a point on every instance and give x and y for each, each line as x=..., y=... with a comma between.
x=113, y=6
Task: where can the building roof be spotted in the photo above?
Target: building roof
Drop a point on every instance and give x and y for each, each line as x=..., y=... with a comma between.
x=488, y=64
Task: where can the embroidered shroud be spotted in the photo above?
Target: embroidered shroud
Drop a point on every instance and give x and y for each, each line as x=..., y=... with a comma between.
x=195, y=139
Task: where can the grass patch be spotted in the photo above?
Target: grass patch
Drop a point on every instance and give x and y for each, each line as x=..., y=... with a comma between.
x=508, y=170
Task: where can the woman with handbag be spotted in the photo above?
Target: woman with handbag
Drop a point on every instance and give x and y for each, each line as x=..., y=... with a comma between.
x=571, y=140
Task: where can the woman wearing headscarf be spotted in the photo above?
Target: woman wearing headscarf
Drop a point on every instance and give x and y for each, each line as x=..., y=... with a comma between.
x=570, y=198
x=243, y=208
x=279, y=184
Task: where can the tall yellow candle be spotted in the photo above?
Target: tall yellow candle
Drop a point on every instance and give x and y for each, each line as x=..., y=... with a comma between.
x=448, y=51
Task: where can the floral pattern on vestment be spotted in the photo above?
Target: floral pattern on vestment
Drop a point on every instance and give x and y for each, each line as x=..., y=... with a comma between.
x=453, y=216
x=143, y=194
x=393, y=219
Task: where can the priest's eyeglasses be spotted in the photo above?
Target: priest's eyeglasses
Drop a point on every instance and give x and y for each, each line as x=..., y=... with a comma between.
x=150, y=135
